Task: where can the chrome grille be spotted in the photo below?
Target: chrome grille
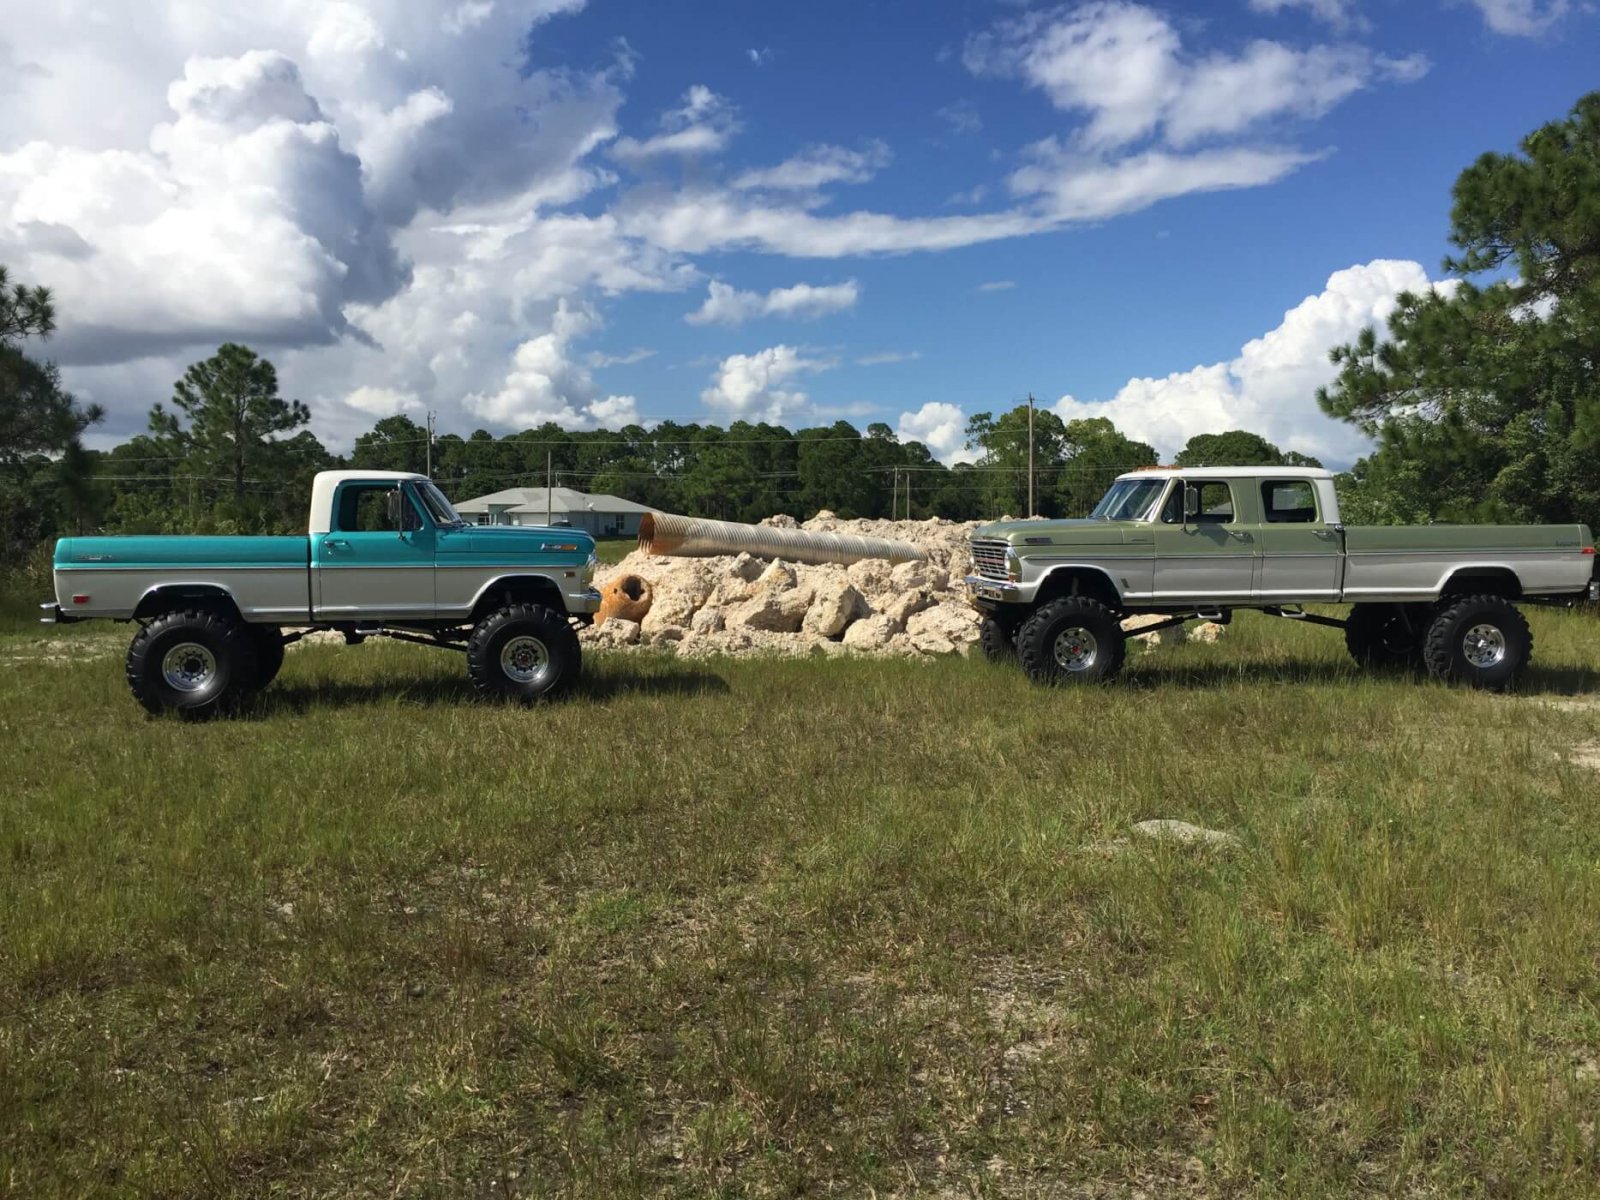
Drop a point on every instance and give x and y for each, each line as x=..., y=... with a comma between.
x=989, y=558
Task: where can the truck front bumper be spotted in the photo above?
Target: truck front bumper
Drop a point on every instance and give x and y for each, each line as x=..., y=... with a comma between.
x=983, y=592
x=586, y=601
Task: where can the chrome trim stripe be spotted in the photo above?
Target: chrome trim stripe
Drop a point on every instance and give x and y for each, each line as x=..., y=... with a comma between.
x=189, y=566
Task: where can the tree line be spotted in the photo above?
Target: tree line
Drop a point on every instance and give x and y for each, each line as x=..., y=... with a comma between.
x=1483, y=401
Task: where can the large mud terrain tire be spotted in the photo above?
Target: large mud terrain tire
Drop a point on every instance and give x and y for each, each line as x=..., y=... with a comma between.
x=1072, y=640
x=269, y=653
x=998, y=639
x=523, y=652
x=1481, y=641
x=196, y=664
x=1386, y=636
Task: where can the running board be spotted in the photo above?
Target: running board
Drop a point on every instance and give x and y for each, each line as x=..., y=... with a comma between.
x=1299, y=614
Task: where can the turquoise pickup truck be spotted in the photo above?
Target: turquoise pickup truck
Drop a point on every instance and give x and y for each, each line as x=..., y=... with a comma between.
x=385, y=555
x=1202, y=543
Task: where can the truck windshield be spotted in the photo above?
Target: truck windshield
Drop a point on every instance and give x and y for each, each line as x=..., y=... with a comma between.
x=438, y=507
x=1129, y=500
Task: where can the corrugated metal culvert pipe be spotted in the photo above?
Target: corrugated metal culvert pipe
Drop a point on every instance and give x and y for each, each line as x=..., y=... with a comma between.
x=695, y=537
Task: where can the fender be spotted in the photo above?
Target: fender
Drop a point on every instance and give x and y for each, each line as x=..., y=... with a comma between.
x=199, y=589
x=528, y=580
x=1107, y=582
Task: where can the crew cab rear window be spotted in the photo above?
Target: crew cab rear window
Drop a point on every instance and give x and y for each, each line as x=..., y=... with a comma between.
x=1289, y=502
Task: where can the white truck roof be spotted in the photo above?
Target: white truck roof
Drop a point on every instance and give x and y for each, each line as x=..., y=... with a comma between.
x=1229, y=473
x=327, y=482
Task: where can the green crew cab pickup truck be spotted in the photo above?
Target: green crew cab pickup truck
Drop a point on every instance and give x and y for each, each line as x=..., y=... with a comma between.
x=385, y=555
x=1201, y=543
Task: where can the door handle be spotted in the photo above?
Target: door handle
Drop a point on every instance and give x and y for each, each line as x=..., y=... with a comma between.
x=1240, y=534
x=336, y=544
x=1326, y=534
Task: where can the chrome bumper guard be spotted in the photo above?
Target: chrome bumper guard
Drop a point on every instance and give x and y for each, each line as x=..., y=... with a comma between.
x=50, y=614
x=981, y=590
x=583, y=602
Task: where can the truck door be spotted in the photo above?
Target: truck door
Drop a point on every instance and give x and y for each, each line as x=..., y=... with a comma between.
x=1302, y=556
x=1207, y=556
x=376, y=560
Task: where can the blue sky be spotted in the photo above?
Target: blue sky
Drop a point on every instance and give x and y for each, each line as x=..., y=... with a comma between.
x=906, y=212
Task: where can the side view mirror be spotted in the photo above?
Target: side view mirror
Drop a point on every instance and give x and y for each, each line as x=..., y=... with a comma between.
x=1191, y=502
x=391, y=509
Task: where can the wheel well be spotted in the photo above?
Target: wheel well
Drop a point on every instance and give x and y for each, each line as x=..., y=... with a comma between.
x=518, y=589
x=174, y=597
x=1078, y=581
x=1483, y=581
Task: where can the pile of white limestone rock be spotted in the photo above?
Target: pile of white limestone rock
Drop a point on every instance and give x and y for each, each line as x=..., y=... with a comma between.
x=743, y=605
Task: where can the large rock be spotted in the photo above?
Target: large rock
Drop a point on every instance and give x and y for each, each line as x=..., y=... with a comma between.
x=670, y=610
x=1173, y=636
x=924, y=575
x=708, y=620
x=870, y=633
x=873, y=577
x=772, y=611
x=906, y=605
x=615, y=631
x=835, y=603
x=1208, y=632
x=944, y=629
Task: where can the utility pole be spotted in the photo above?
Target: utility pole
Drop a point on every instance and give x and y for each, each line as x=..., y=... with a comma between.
x=549, y=488
x=1030, y=454
x=429, y=471
x=894, y=494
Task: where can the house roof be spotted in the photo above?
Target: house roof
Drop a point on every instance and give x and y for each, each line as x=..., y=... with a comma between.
x=560, y=500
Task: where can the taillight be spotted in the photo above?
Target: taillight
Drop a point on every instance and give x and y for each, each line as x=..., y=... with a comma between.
x=80, y=598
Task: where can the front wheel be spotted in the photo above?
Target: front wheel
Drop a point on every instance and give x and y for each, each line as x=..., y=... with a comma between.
x=1072, y=640
x=1481, y=641
x=998, y=639
x=197, y=664
x=523, y=652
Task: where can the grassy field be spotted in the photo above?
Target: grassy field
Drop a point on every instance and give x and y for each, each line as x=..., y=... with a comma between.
x=790, y=928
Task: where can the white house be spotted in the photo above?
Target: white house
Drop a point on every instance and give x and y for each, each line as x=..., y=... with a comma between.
x=601, y=515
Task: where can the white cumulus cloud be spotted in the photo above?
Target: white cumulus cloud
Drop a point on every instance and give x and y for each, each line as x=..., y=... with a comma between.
x=1270, y=387
x=818, y=166
x=544, y=382
x=704, y=124
x=727, y=305
x=1125, y=66
x=760, y=386
x=1522, y=18
x=941, y=427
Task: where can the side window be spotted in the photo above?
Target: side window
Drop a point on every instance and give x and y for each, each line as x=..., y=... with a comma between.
x=1216, y=502
x=1289, y=502
x=375, y=508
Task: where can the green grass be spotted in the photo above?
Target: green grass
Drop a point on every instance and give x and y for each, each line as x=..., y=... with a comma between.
x=801, y=927
x=614, y=550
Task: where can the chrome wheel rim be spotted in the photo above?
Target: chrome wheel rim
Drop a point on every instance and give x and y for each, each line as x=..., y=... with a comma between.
x=188, y=667
x=524, y=659
x=1076, y=649
x=1484, y=645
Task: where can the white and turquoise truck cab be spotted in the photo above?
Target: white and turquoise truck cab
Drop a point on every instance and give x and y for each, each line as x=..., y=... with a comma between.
x=384, y=554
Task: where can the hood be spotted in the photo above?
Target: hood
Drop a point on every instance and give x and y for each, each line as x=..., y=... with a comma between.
x=1078, y=532
x=529, y=538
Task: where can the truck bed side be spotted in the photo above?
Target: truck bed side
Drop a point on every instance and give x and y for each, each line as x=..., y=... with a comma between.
x=1411, y=562
x=268, y=578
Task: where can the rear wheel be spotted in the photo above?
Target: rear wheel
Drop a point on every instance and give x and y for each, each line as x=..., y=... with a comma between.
x=1481, y=641
x=1071, y=640
x=1386, y=636
x=523, y=652
x=197, y=664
